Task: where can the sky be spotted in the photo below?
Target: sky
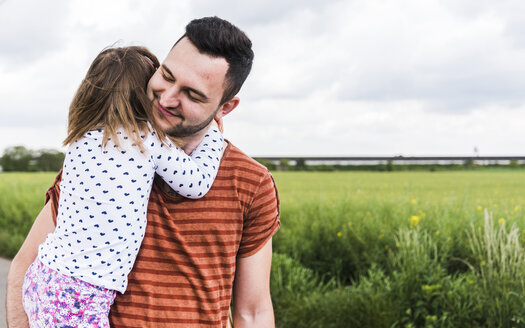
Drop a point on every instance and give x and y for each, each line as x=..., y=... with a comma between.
x=330, y=78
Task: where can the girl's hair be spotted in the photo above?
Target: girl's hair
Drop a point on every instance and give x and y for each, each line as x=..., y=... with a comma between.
x=113, y=95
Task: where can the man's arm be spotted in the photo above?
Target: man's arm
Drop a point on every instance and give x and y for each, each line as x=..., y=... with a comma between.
x=252, y=304
x=43, y=225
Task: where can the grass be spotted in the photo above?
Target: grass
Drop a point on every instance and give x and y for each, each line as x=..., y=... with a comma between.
x=359, y=249
x=22, y=198
x=403, y=249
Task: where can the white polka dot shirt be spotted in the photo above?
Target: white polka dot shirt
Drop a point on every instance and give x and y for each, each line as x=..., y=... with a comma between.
x=104, y=194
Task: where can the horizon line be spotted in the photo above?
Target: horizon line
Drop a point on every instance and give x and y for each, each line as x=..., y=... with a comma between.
x=386, y=158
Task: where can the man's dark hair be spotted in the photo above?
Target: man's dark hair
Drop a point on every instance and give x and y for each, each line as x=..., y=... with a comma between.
x=216, y=37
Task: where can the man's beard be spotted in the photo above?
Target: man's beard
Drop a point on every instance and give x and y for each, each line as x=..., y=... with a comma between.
x=180, y=130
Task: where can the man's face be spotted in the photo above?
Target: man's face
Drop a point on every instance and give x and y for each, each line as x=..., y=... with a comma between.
x=186, y=90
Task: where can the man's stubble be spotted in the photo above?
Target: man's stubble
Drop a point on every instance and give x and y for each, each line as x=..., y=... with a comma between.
x=180, y=130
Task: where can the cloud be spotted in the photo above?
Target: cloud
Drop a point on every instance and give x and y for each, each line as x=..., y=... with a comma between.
x=38, y=94
x=48, y=137
x=37, y=83
x=315, y=126
x=441, y=59
x=392, y=51
x=26, y=36
x=329, y=78
x=249, y=14
x=156, y=24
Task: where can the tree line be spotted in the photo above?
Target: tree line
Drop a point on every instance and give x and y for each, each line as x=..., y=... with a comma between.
x=301, y=165
x=22, y=159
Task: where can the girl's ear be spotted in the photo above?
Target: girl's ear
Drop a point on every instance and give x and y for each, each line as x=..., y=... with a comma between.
x=227, y=107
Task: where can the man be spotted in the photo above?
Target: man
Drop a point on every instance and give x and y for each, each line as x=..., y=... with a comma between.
x=195, y=254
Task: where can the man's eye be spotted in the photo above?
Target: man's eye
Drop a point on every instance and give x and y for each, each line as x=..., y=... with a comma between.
x=192, y=96
x=167, y=78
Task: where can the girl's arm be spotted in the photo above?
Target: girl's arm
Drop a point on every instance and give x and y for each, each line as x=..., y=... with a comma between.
x=190, y=176
x=43, y=225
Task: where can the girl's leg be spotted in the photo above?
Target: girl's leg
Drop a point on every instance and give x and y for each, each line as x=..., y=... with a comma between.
x=52, y=299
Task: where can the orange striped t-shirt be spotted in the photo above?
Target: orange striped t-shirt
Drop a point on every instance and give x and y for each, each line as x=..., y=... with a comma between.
x=183, y=275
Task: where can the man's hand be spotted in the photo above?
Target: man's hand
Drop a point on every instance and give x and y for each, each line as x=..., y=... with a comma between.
x=43, y=225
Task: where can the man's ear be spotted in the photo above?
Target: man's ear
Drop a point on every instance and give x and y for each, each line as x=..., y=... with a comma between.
x=227, y=107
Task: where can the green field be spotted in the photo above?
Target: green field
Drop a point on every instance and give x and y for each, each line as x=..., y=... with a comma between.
x=22, y=196
x=410, y=249
x=358, y=249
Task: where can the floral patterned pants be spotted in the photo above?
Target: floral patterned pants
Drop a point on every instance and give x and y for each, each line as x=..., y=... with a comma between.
x=52, y=299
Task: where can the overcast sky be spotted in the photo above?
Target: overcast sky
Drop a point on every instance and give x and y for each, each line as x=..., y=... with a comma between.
x=333, y=78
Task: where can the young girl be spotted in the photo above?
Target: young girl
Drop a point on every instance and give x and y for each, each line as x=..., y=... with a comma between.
x=114, y=151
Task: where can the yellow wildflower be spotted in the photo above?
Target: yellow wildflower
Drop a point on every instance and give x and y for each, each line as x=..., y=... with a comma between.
x=479, y=208
x=421, y=213
x=495, y=206
x=339, y=234
x=483, y=263
x=414, y=201
x=437, y=232
x=414, y=221
x=501, y=220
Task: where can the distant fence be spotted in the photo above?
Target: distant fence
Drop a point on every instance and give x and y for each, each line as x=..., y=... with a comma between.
x=400, y=160
x=389, y=163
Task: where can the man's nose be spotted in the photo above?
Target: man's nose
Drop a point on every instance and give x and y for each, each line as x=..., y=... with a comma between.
x=170, y=97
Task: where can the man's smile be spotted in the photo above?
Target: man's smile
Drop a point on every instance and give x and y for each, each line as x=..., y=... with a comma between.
x=165, y=112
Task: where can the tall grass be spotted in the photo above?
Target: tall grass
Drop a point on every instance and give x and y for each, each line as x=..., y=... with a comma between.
x=499, y=261
x=402, y=249
x=22, y=197
x=357, y=249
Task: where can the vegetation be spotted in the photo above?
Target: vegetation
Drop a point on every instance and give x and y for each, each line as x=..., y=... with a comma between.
x=23, y=196
x=21, y=159
x=401, y=249
x=372, y=249
x=301, y=165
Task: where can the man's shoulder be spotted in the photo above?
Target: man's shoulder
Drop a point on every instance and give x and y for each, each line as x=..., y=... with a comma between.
x=236, y=159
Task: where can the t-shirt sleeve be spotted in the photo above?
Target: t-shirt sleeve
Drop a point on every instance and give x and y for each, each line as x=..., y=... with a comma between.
x=52, y=195
x=190, y=176
x=262, y=219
